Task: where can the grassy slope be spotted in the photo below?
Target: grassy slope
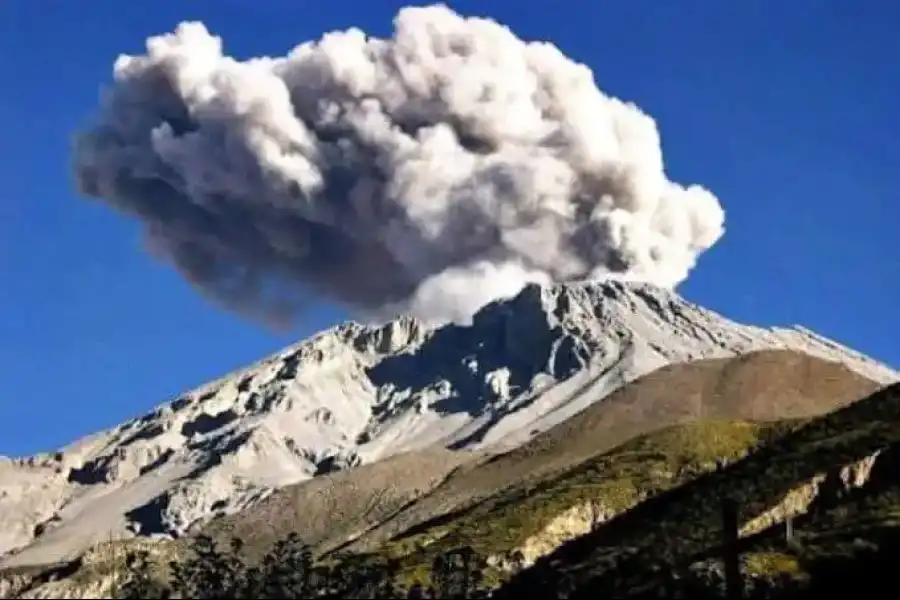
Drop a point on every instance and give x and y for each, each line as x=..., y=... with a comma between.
x=497, y=504
x=616, y=481
x=760, y=386
x=845, y=525
x=684, y=524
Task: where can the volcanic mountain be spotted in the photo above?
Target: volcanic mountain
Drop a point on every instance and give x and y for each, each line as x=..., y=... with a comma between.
x=358, y=397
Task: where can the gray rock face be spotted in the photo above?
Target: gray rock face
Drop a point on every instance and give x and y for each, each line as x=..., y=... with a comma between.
x=355, y=394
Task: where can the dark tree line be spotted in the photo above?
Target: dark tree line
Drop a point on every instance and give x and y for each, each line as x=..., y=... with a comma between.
x=289, y=570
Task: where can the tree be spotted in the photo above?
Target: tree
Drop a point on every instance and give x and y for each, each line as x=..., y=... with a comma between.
x=459, y=574
x=139, y=581
x=287, y=570
x=211, y=574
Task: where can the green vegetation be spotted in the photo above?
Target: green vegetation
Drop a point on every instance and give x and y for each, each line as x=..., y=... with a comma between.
x=289, y=570
x=771, y=563
x=811, y=470
x=844, y=525
x=606, y=486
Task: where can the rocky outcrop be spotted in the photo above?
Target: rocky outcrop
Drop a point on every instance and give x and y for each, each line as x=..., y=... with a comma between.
x=825, y=488
x=569, y=524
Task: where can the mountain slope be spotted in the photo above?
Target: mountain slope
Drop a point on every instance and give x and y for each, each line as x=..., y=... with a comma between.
x=486, y=501
x=759, y=387
x=822, y=473
x=562, y=484
x=359, y=394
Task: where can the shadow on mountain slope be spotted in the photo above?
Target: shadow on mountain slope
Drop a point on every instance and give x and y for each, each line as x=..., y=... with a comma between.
x=819, y=463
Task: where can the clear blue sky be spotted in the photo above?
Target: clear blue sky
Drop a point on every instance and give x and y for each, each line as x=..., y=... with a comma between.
x=787, y=111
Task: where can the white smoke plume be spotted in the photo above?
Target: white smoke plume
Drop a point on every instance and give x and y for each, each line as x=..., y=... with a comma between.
x=429, y=173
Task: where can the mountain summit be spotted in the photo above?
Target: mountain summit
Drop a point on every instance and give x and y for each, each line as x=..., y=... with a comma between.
x=356, y=394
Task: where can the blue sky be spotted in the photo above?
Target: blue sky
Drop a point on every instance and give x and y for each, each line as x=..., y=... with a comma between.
x=787, y=111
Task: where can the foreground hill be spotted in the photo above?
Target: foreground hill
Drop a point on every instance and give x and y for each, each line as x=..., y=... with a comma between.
x=676, y=423
x=835, y=476
x=356, y=395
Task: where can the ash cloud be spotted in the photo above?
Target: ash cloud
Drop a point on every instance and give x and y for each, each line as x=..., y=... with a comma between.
x=427, y=173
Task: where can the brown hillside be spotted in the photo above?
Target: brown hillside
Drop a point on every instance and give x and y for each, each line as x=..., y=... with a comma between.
x=384, y=499
x=331, y=509
x=760, y=386
x=792, y=475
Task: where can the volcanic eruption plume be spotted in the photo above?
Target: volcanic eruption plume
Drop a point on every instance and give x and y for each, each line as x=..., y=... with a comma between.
x=428, y=173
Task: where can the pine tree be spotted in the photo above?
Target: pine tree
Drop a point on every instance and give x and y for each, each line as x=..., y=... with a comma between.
x=459, y=574
x=139, y=581
x=209, y=573
x=287, y=570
